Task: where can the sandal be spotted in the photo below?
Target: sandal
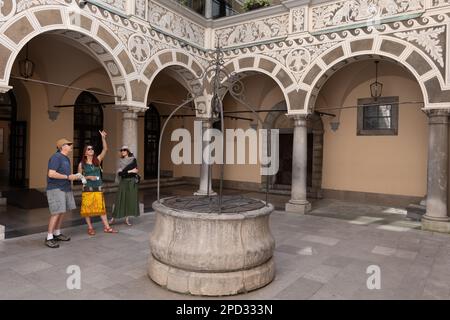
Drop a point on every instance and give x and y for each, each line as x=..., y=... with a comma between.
x=110, y=230
x=91, y=231
x=128, y=222
x=112, y=221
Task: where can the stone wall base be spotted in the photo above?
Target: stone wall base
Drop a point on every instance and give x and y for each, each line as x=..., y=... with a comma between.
x=210, y=283
x=371, y=198
x=435, y=226
x=300, y=208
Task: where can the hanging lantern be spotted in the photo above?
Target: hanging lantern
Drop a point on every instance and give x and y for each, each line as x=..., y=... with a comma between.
x=376, y=87
x=26, y=66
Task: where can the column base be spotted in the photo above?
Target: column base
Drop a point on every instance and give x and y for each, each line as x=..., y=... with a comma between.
x=298, y=206
x=204, y=193
x=436, y=225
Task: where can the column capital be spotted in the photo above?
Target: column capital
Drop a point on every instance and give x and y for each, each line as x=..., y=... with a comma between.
x=299, y=119
x=130, y=106
x=438, y=112
x=4, y=88
x=203, y=104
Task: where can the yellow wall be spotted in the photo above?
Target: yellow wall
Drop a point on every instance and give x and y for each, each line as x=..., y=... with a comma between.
x=381, y=164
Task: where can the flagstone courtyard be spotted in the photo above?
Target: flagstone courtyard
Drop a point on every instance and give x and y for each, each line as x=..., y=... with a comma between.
x=317, y=256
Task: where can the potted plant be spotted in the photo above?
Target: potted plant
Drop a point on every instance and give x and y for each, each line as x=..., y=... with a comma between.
x=255, y=4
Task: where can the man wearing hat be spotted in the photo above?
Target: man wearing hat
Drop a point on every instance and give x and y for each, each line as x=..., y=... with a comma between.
x=59, y=191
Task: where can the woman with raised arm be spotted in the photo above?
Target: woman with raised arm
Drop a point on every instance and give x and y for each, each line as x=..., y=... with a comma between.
x=93, y=200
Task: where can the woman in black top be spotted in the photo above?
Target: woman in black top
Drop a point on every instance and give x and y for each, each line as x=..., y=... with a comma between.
x=127, y=203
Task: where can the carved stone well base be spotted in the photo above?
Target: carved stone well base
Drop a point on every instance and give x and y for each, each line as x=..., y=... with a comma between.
x=205, y=253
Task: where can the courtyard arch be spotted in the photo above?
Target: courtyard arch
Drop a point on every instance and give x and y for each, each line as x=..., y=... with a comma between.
x=388, y=48
x=90, y=33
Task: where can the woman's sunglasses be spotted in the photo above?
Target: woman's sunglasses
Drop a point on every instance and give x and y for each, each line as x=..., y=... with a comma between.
x=89, y=149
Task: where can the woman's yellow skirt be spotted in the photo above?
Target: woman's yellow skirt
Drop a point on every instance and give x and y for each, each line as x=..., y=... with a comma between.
x=92, y=204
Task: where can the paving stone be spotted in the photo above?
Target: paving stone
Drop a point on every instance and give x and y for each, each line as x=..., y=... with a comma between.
x=316, y=258
x=322, y=273
x=31, y=267
x=384, y=251
x=323, y=240
x=300, y=289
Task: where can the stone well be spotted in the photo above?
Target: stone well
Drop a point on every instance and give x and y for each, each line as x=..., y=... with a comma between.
x=199, y=252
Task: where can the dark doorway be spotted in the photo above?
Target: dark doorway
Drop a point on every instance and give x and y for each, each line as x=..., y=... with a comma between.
x=284, y=175
x=152, y=132
x=18, y=143
x=88, y=120
x=13, y=133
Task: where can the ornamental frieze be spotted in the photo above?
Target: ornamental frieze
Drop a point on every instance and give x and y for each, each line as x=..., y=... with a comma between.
x=348, y=12
x=298, y=20
x=119, y=5
x=140, y=8
x=255, y=31
x=175, y=24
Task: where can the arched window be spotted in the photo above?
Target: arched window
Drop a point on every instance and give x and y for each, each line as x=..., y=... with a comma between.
x=88, y=120
x=152, y=132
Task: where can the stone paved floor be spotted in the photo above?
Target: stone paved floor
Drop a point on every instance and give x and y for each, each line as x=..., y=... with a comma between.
x=317, y=257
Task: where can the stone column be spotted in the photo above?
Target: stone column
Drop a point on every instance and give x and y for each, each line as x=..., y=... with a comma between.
x=130, y=130
x=298, y=202
x=203, y=189
x=208, y=9
x=3, y=201
x=436, y=217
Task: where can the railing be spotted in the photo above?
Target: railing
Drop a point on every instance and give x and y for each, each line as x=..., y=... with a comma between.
x=216, y=8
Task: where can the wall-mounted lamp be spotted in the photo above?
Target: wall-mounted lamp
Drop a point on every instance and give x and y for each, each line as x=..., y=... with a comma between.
x=53, y=115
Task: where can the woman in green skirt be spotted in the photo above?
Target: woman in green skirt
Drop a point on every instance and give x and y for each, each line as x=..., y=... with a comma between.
x=127, y=202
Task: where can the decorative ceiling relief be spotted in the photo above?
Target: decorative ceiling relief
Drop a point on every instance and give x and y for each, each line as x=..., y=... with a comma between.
x=255, y=31
x=342, y=13
x=431, y=40
x=175, y=24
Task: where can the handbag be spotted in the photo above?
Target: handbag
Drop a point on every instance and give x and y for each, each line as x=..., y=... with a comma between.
x=137, y=179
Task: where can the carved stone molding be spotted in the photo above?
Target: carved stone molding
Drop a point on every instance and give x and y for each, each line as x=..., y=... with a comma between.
x=342, y=13
x=254, y=31
x=175, y=24
x=429, y=40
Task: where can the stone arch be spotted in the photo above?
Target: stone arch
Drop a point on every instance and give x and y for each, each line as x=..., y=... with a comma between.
x=89, y=32
x=389, y=48
x=270, y=67
x=315, y=127
x=181, y=66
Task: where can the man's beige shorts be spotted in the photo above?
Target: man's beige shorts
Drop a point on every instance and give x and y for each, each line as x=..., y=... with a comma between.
x=60, y=201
